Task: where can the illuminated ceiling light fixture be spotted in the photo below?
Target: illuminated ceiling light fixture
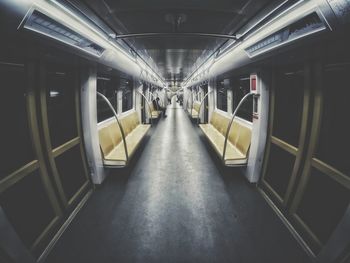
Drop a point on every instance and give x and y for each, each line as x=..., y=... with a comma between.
x=66, y=26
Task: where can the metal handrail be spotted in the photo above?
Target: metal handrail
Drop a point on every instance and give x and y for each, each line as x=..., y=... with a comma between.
x=120, y=126
x=230, y=124
x=149, y=105
x=200, y=106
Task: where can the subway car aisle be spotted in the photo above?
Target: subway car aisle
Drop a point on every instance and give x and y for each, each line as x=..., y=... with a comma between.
x=175, y=205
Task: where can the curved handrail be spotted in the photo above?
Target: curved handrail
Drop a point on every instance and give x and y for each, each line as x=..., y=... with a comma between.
x=120, y=126
x=231, y=121
x=200, y=106
x=149, y=105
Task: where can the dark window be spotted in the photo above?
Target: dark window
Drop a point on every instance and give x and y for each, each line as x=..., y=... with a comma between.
x=71, y=170
x=61, y=86
x=334, y=142
x=108, y=86
x=27, y=207
x=279, y=169
x=323, y=204
x=16, y=145
x=241, y=87
x=289, y=98
x=221, y=96
x=126, y=85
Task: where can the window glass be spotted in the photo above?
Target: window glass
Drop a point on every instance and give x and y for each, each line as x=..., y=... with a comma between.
x=323, y=204
x=289, y=97
x=71, y=169
x=334, y=131
x=61, y=85
x=221, y=96
x=279, y=169
x=240, y=88
x=107, y=85
x=16, y=145
x=127, y=94
x=27, y=207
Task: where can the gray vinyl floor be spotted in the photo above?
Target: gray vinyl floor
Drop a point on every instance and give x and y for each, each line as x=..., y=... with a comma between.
x=176, y=204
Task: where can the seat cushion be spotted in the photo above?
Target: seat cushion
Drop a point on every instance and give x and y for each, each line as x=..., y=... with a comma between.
x=155, y=114
x=133, y=140
x=217, y=140
x=244, y=139
x=109, y=137
x=194, y=113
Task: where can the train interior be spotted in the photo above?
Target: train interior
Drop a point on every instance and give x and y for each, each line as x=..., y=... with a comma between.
x=174, y=131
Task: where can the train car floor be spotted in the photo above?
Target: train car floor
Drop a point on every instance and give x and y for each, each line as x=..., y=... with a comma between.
x=176, y=205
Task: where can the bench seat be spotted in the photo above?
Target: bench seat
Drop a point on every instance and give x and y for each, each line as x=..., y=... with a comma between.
x=195, y=110
x=155, y=114
x=238, y=142
x=111, y=142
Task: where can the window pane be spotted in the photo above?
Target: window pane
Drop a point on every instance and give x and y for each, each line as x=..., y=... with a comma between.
x=241, y=87
x=27, y=207
x=107, y=86
x=279, y=169
x=127, y=94
x=323, y=204
x=289, y=96
x=71, y=170
x=61, y=86
x=334, y=141
x=16, y=145
x=221, y=96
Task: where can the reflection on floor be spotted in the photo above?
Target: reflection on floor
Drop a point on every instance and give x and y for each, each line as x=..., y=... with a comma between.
x=176, y=205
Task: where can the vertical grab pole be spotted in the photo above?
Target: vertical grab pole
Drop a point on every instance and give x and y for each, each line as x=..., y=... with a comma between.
x=149, y=105
x=119, y=125
x=231, y=121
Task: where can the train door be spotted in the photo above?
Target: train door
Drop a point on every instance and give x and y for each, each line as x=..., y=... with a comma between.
x=43, y=174
x=323, y=193
x=60, y=113
x=289, y=111
x=27, y=194
x=305, y=172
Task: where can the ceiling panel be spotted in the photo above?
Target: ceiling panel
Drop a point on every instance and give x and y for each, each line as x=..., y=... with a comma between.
x=175, y=57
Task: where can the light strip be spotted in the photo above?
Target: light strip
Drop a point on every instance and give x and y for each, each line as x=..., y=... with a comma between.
x=76, y=23
x=267, y=15
x=271, y=27
x=234, y=44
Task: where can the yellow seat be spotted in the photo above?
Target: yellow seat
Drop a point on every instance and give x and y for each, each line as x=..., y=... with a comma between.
x=111, y=142
x=238, y=141
x=154, y=113
x=195, y=110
